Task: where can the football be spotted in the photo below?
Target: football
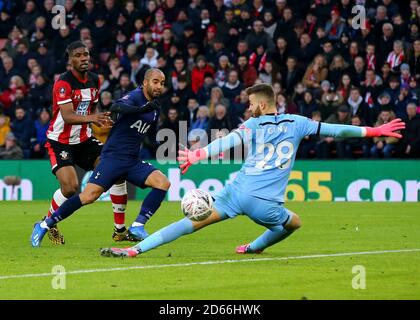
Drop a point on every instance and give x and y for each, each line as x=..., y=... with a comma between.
x=197, y=204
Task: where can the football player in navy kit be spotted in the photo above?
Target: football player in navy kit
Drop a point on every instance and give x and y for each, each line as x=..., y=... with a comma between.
x=136, y=113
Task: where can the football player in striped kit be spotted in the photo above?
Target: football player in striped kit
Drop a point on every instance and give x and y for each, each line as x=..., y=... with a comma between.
x=69, y=138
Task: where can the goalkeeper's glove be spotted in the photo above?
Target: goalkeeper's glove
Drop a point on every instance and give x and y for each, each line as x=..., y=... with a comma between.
x=386, y=129
x=187, y=157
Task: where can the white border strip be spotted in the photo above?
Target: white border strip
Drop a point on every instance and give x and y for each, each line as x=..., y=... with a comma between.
x=314, y=256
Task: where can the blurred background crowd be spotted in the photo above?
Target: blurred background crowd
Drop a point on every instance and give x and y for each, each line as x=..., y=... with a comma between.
x=320, y=66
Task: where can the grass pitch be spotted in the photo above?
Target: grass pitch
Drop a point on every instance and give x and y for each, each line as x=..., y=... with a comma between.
x=204, y=266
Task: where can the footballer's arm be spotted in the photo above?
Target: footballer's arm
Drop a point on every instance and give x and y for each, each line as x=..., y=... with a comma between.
x=71, y=117
x=349, y=131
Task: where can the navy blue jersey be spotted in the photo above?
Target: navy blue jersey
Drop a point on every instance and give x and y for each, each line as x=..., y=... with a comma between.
x=130, y=126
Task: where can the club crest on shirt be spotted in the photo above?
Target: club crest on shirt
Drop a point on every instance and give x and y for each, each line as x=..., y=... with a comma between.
x=64, y=155
x=62, y=92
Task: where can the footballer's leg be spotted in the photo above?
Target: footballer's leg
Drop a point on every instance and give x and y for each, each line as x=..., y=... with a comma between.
x=165, y=235
x=61, y=158
x=103, y=177
x=225, y=206
x=280, y=222
x=89, y=159
x=89, y=195
x=145, y=175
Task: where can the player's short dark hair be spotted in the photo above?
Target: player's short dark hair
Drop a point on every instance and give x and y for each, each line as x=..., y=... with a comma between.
x=149, y=72
x=73, y=46
x=264, y=90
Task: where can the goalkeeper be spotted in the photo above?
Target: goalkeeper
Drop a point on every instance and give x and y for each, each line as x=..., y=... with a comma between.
x=259, y=188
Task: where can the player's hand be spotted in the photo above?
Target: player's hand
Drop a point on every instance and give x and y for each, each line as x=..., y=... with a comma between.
x=101, y=119
x=387, y=129
x=186, y=157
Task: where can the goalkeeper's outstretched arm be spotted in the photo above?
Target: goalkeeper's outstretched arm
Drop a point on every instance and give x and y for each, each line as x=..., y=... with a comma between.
x=348, y=131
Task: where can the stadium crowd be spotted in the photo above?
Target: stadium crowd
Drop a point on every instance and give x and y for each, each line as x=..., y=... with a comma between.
x=210, y=50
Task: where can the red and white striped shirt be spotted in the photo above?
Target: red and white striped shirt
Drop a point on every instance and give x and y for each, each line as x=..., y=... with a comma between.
x=83, y=94
x=394, y=59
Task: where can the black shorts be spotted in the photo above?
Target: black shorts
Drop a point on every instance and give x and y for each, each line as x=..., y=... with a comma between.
x=83, y=154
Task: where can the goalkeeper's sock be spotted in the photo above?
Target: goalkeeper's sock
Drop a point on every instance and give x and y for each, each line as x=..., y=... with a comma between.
x=66, y=210
x=165, y=235
x=269, y=238
x=150, y=205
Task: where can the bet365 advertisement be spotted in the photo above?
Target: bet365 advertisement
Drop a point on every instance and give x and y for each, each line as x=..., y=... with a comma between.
x=376, y=181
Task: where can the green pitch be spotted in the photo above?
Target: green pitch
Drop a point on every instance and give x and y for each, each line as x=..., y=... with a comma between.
x=204, y=266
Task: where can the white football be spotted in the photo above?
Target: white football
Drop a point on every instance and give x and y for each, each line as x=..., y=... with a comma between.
x=197, y=204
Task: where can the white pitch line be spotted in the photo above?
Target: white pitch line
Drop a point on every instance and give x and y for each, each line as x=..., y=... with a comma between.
x=314, y=256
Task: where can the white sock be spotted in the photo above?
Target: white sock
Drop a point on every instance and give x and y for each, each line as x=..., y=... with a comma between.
x=59, y=199
x=44, y=225
x=137, y=224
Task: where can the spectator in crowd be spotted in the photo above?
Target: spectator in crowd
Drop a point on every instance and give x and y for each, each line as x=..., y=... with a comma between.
x=258, y=37
x=24, y=130
x=404, y=98
x=344, y=86
x=7, y=72
x=414, y=59
x=9, y=95
x=190, y=112
x=220, y=120
x=396, y=57
x=356, y=147
x=357, y=106
x=330, y=101
x=335, y=26
x=247, y=73
x=337, y=68
x=11, y=150
x=171, y=123
x=222, y=70
x=39, y=95
x=285, y=105
x=269, y=74
x=216, y=97
x=202, y=119
x=123, y=87
x=308, y=145
x=414, y=88
x=308, y=105
x=291, y=75
x=328, y=144
x=315, y=73
x=411, y=134
x=198, y=72
x=21, y=100
x=237, y=109
x=150, y=57
x=233, y=87
x=358, y=71
x=197, y=138
x=4, y=128
x=204, y=93
x=384, y=146
x=41, y=126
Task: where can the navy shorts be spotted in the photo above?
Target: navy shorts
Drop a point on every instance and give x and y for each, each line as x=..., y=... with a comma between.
x=108, y=171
